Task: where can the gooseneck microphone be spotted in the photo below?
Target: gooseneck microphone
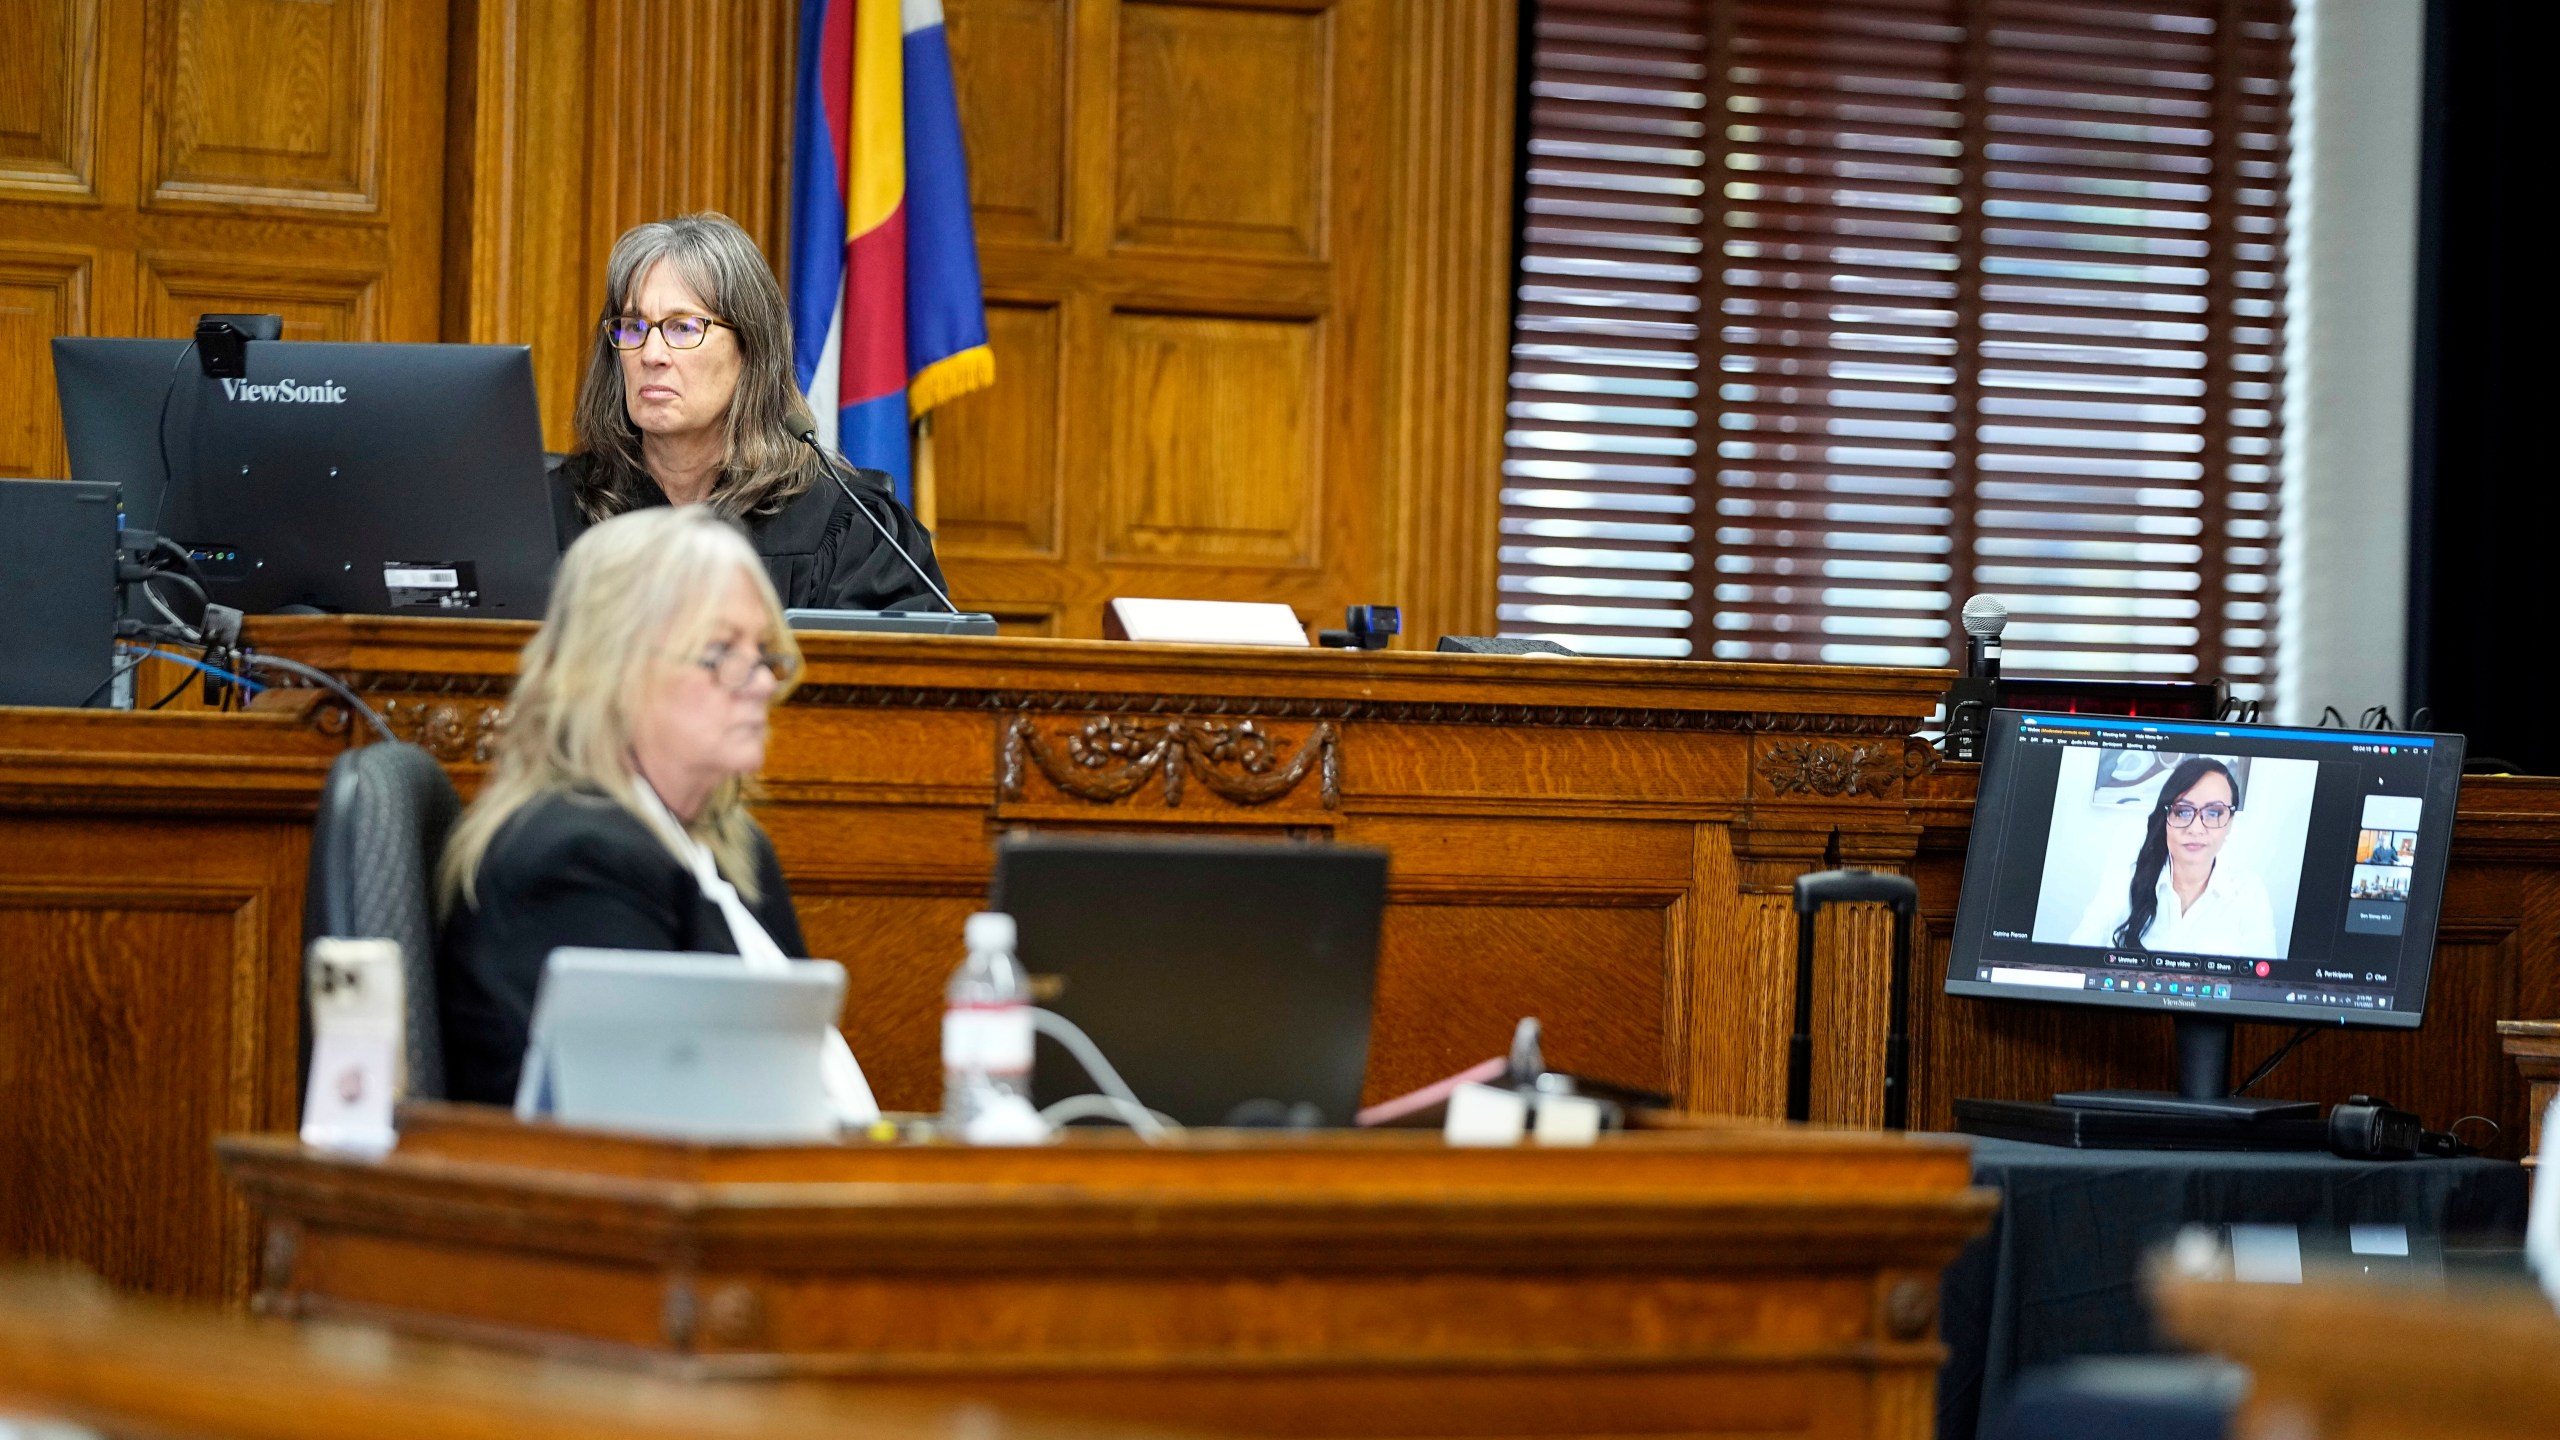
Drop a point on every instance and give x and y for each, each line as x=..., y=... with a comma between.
x=835, y=472
x=1970, y=698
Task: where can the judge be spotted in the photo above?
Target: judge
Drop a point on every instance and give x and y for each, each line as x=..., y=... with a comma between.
x=688, y=399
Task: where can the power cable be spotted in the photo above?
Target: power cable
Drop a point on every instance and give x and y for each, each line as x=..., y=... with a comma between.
x=243, y=681
x=2268, y=1066
x=326, y=681
x=168, y=478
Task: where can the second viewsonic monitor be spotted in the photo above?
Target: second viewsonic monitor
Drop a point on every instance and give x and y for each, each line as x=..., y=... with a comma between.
x=372, y=479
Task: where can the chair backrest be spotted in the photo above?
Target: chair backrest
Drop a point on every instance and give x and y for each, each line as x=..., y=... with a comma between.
x=384, y=814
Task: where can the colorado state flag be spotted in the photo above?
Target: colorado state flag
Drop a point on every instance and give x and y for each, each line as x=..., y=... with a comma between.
x=886, y=314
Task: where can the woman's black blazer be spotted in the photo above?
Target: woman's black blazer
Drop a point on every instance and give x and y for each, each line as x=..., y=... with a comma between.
x=570, y=869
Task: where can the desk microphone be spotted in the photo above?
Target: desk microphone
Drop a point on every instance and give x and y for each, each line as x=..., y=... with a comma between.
x=1984, y=618
x=1970, y=699
x=809, y=437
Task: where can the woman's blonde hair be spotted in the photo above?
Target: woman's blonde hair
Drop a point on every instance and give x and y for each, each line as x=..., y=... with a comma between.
x=635, y=594
x=767, y=466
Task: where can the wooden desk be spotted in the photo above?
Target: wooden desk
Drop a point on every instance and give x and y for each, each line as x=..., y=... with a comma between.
x=2341, y=1360
x=150, y=926
x=1607, y=845
x=70, y=1352
x=1736, y=1276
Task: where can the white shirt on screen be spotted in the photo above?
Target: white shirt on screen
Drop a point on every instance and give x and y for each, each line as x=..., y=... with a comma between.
x=2231, y=917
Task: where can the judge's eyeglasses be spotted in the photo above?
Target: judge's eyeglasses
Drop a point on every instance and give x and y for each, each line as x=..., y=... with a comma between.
x=681, y=332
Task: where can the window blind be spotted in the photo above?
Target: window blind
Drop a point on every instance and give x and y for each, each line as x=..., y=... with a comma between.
x=1832, y=315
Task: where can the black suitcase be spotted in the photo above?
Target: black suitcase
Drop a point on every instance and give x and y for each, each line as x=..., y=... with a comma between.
x=1832, y=887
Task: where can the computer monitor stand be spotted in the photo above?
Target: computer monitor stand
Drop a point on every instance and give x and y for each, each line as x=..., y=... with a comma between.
x=2202, y=1115
x=2204, y=1084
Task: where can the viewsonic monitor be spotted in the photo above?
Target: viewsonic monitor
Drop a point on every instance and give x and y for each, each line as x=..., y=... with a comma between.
x=374, y=479
x=2209, y=871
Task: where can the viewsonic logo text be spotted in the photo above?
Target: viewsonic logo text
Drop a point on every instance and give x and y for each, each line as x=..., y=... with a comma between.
x=285, y=392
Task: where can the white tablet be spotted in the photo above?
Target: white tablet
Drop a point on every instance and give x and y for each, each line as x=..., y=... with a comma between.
x=688, y=1046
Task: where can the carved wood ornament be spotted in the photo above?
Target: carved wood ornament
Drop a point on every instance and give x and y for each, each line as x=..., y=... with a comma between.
x=1109, y=758
x=1824, y=767
x=453, y=732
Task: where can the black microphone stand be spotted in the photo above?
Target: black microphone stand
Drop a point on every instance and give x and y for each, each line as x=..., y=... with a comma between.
x=810, y=439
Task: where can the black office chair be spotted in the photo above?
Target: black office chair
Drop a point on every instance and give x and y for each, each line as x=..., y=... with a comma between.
x=384, y=814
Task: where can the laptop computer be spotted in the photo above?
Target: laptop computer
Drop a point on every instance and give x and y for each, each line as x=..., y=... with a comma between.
x=1229, y=981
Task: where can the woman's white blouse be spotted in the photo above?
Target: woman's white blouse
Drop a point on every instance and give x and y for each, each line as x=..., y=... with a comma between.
x=2231, y=917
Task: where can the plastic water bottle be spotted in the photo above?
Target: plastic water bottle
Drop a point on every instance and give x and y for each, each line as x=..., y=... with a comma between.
x=986, y=1036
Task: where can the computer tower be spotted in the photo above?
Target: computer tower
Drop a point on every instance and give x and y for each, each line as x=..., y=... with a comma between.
x=57, y=591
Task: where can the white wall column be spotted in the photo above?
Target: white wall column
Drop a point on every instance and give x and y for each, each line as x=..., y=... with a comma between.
x=2352, y=263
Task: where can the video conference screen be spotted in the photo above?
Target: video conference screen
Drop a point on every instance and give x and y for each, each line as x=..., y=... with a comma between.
x=2250, y=871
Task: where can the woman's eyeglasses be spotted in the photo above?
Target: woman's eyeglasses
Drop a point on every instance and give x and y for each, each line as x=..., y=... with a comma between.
x=682, y=332
x=735, y=667
x=2214, y=814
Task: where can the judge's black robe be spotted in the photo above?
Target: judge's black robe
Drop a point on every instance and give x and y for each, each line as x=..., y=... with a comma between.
x=819, y=551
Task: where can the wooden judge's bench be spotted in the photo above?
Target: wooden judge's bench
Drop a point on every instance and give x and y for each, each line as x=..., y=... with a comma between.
x=1607, y=845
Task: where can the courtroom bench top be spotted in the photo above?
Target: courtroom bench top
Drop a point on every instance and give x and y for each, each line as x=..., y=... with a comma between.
x=1713, y=1195
x=475, y=654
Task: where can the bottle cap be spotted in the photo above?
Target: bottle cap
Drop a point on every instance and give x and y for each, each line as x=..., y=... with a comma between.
x=989, y=930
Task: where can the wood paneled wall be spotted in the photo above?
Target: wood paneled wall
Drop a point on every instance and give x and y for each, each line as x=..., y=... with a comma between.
x=1245, y=262
x=574, y=122
x=1244, y=268
x=164, y=158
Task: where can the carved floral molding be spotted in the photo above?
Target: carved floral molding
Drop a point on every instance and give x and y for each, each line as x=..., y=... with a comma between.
x=455, y=731
x=1832, y=769
x=1112, y=757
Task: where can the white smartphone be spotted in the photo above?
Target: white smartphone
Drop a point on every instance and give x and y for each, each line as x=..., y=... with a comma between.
x=359, y=1051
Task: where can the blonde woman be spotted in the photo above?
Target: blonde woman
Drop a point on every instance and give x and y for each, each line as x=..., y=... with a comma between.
x=689, y=399
x=616, y=815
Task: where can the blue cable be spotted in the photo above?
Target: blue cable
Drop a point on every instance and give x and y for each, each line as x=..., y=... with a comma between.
x=246, y=684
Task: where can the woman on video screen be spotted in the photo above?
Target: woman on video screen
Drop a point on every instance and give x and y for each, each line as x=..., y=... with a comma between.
x=2181, y=899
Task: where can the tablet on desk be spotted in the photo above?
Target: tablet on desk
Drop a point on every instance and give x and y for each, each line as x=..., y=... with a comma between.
x=694, y=1047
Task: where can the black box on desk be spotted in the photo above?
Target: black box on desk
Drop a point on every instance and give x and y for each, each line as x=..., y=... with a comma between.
x=57, y=591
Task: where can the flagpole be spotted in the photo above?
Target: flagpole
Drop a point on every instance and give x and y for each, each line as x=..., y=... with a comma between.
x=924, y=506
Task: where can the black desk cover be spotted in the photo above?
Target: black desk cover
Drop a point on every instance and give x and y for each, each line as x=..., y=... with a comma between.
x=2059, y=1275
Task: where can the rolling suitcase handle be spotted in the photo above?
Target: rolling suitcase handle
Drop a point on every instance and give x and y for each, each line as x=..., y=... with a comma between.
x=1832, y=887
